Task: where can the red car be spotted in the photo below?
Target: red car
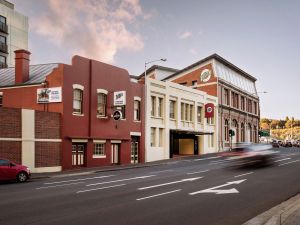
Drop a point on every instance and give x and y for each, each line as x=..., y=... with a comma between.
x=13, y=171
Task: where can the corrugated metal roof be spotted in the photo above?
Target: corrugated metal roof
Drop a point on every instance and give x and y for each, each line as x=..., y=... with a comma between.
x=37, y=74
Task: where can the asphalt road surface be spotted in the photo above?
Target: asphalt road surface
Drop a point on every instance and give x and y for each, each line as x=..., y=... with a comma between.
x=200, y=191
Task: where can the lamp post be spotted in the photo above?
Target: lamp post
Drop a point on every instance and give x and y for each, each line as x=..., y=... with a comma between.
x=145, y=97
x=247, y=113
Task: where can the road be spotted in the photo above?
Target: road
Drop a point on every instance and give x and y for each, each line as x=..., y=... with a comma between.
x=200, y=191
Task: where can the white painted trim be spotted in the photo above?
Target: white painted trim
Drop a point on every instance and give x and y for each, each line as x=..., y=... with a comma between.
x=47, y=169
x=135, y=134
x=77, y=114
x=116, y=141
x=206, y=84
x=48, y=140
x=79, y=140
x=78, y=86
x=30, y=139
x=10, y=139
x=99, y=141
x=102, y=91
x=22, y=86
x=136, y=98
x=1, y=93
x=99, y=156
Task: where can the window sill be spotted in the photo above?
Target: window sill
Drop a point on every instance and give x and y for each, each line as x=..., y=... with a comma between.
x=136, y=121
x=172, y=119
x=77, y=114
x=102, y=117
x=99, y=157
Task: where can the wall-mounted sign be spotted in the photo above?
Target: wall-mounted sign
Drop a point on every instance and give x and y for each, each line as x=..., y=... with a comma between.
x=209, y=110
x=49, y=95
x=117, y=115
x=205, y=75
x=119, y=98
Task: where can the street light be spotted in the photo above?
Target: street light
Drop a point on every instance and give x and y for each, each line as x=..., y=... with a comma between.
x=145, y=98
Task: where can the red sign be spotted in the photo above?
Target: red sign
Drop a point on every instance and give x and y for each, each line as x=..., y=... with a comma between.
x=209, y=110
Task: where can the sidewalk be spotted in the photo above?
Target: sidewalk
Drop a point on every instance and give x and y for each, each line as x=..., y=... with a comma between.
x=286, y=213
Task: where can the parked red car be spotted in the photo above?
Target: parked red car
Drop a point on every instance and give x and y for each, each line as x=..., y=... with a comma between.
x=13, y=171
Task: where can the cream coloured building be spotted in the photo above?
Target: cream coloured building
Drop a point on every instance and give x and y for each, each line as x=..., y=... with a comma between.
x=13, y=33
x=175, y=123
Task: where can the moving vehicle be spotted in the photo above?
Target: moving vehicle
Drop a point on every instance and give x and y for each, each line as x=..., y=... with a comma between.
x=247, y=154
x=12, y=171
x=275, y=144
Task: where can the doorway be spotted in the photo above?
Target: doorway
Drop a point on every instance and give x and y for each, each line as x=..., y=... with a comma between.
x=78, y=154
x=115, y=153
x=134, y=149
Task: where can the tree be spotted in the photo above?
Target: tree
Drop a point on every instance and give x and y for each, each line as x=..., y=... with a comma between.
x=274, y=124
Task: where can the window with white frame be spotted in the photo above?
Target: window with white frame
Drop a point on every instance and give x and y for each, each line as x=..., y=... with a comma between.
x=210, y=120
x=137, y=108
x=99, y=150
x=152, y=143
x=160, y=107
x=102, y=102
x=199, y=114
x=161, y=137
x=1, y=99
x=182, y=111
x=191, y=112
x=77, y=101
x=153, y=105
x=172, y=109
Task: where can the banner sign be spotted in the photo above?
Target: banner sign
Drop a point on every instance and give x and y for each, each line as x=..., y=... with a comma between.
x=119, y=98
x=49, y=95
x=209, y=110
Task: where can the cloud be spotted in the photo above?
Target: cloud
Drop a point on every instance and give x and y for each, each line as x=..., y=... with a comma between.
x=95, y=29
x=193, y=51
x=185, y=35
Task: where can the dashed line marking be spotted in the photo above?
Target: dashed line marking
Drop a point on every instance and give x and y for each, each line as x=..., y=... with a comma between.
x=153, y=196
x=244, y=174
x=289, y=162
x=96, y=189
x=59, y=185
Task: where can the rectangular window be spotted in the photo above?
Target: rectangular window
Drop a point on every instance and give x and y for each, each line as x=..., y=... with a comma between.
x=191, y=112
x=161, y=137
x=172, y=109
x=1, y=99
x=226, y=97
x=210, y=121
x=102, y=101
x=160, y=107
x=187, y=111
x=152, y=137
x=249, y=106
x=122, y=109
x=182, y=111
x=77, y=101
x=153, y=105
x=199, y=114
x=194, y=82
x=136, y=115
x=2, y=19
x=255, y=108
x=3, y=62
x=99, y=150
x=242, y=103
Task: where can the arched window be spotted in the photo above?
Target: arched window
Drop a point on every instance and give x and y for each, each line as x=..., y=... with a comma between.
x=236, y=127
x=226, y=128
x=242, y=132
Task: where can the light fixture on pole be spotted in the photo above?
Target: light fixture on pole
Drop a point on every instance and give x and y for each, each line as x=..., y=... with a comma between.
x=145, y=97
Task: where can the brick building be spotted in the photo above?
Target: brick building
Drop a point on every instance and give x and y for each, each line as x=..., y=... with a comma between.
x=85, y=94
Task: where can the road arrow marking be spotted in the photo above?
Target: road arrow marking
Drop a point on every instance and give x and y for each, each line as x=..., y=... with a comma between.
x=220, y=191
x=114, y=181
x=174, y=182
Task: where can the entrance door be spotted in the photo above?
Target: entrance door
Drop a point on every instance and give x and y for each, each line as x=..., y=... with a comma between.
x=78, y=153
x=134, y=149
x=115, y=153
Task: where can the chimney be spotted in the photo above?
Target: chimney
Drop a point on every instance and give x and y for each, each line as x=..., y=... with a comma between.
x=21, y=66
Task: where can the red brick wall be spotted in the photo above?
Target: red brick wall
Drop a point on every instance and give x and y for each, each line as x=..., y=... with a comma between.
x=10, y=123
x=47, y=125
x=47, y=154
x=11, y=150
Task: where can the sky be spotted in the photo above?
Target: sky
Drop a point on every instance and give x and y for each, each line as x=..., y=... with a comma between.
x=262, y=37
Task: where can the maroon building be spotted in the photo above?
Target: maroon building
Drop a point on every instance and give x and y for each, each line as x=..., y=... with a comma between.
x=86, y=93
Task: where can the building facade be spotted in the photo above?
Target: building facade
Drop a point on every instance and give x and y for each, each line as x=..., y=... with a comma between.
x=13, y=33
x=86, y=94
x=238, y=102
x=176, y=123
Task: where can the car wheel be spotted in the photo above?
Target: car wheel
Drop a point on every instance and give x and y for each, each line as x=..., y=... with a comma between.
x=22, y=177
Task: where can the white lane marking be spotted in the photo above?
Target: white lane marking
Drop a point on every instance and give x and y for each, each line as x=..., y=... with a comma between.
x=174, y=182
x=245, y=174
x=60, y=185
x=162, y=171
x=218, y=162
x=152, y=196
x=288, y=154
x=203, y=171
x=96, y=189
x=114, y=181
x=282, y=160
x=215, y=157
x=220, y=191
x=289, y=162
x=81, y=179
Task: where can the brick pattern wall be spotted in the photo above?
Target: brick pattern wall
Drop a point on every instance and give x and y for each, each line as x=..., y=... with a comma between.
x=47, y=125
x=10, y=123
x=11, y=150
x=47, y=154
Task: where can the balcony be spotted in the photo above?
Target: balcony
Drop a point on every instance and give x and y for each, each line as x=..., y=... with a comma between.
x=3, y=27
x=3, y=47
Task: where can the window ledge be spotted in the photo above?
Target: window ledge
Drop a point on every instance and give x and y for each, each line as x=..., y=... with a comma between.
x=77, y=114
x=172, y=119
x=99, y=156
x=136, y=121
x=102, y=117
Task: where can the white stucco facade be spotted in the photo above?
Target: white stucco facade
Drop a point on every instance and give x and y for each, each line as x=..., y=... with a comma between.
x=160, y=122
